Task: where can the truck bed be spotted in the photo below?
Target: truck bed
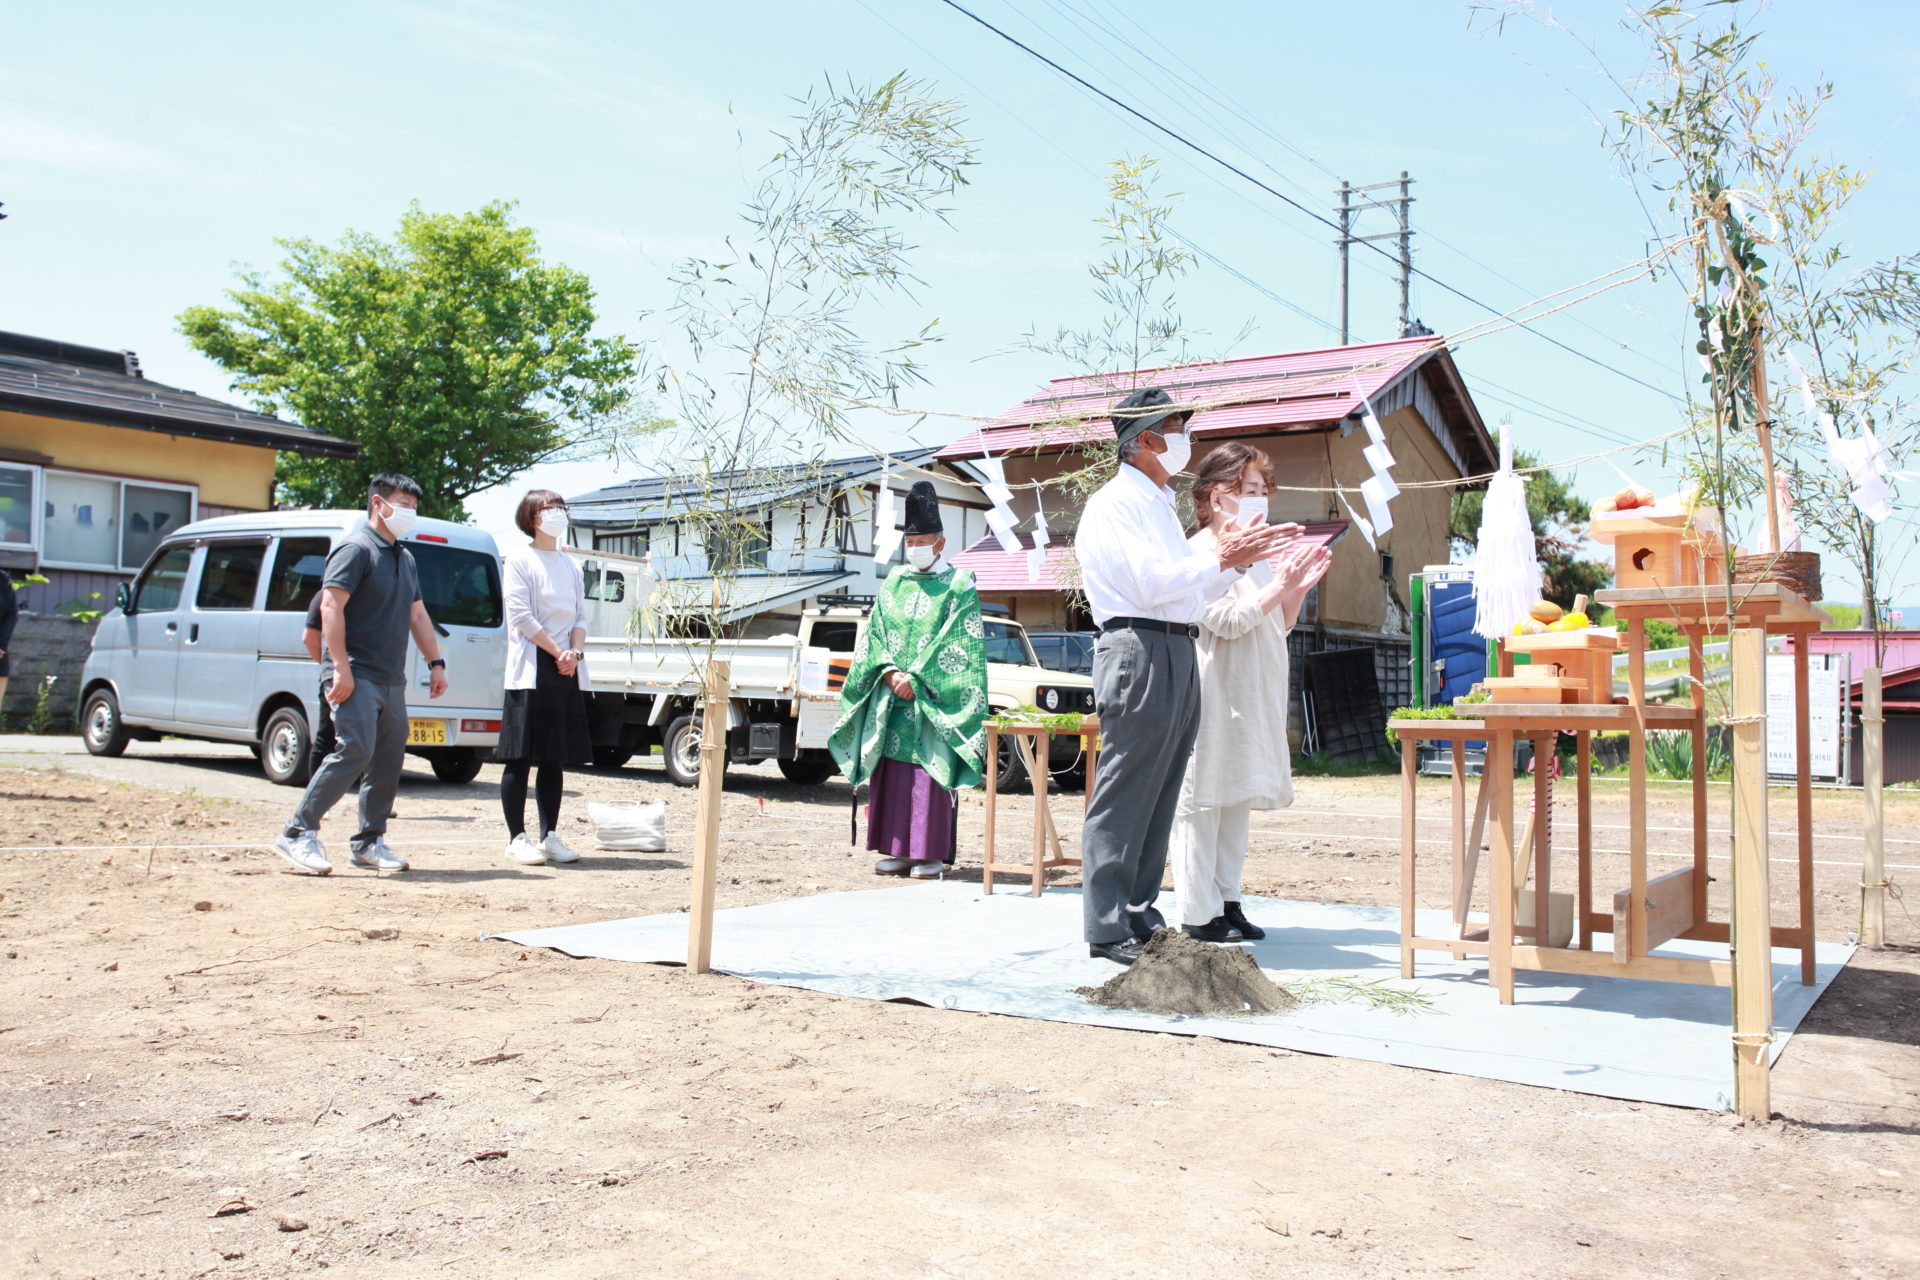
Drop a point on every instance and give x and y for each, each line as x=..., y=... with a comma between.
x=760, y=668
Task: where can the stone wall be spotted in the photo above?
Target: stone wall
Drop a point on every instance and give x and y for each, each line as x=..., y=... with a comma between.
x=45, y=646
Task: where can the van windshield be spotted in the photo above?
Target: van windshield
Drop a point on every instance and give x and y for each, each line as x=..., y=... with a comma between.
x=460, y=588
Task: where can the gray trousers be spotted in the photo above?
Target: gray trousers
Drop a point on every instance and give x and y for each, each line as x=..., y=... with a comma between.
x=370, y=739
x=1146, y=688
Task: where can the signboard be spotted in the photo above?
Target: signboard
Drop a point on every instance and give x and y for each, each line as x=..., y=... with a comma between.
x=1826, y=691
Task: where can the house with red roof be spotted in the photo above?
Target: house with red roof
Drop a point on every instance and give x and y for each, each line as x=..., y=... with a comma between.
x=1304, y=409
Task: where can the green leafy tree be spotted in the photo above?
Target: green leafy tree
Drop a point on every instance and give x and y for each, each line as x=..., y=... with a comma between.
x=1559, y=530
x=450, y=353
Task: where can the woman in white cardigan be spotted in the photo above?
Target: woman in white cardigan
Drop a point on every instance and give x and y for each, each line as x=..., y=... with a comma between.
x=544, y=720
x=1240, y=758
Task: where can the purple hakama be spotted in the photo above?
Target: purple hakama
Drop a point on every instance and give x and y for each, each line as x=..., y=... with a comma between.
x=909, y=815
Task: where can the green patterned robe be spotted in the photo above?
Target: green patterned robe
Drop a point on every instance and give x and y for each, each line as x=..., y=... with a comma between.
x=927, y=625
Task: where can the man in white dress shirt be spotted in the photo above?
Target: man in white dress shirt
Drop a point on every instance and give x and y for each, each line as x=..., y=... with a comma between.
x=1147, y=589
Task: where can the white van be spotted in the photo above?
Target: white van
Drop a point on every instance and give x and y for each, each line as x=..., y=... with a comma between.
x=206, y=643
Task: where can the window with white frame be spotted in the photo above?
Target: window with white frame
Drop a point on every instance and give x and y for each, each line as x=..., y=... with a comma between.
x=634, y=543
x=19, y=487
x=102, y=522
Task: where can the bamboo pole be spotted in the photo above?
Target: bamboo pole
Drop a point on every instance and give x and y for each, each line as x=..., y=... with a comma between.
x=1751, y=934
x=1763, y=430
x=1873, y=774
x=706, y=846
x=1697, y=677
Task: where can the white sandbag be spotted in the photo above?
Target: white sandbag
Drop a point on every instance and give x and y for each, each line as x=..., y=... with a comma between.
x=628, y=824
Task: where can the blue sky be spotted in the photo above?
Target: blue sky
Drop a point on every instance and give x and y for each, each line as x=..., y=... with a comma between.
x=146, y=149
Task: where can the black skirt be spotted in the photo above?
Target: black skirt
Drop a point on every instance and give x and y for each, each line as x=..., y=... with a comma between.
x=546, y=724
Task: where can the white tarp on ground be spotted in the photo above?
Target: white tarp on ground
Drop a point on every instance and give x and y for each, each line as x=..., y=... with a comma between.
x=950, y=946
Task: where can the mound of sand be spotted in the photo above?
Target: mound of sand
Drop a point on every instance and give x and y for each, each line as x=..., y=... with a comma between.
x=1177, y=974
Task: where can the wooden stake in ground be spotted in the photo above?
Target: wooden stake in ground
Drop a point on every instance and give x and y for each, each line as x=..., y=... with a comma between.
x=706, y=846
x=1751, y=931
x=1873, y=772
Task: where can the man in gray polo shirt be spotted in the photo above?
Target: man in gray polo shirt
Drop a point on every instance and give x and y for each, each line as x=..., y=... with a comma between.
x=369, y=603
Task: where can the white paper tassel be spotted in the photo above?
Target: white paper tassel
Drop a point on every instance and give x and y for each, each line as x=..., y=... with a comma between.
x=1506, y=565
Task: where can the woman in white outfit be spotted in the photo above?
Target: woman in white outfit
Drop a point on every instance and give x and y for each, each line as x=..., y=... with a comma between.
x=1240, y=758
x=544, y=720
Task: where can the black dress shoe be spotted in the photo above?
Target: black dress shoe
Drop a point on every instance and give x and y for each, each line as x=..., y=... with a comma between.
x=1237, y=918
x=1125, y=951
x=1217, y=929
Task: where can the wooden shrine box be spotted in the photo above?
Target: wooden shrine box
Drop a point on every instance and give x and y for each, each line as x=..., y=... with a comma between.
x=1546, y=687
x=1659, y=551
x=1585, y=655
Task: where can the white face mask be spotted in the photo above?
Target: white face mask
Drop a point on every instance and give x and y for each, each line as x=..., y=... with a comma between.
x=553, y=522
x=1246, y=510
x=1179, y=453
x=399, y=520
x=922, y=558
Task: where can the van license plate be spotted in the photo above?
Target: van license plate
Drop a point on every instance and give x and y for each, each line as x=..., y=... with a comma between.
x=426, y=733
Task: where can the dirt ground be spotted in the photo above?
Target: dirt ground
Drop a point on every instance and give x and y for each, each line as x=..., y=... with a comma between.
x=211, y=1067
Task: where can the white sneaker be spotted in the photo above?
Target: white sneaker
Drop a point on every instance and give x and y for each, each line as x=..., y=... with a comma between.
x=525, y=852
x=377, y=857
x=556, y=852
x=304, y=851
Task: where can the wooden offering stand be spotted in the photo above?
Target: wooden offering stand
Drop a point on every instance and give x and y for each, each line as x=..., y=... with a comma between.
x=1033, y=742
x=1661, y=551
x=1649, y=911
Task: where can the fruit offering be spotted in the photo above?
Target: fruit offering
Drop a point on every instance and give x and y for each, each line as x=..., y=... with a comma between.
x=1545, y=611
x=1631, y=498
x=1571, y=622
x=1529, y=627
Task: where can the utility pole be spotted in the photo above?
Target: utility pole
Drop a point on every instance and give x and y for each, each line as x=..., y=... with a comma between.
x=1349, y=213
x=1346, y=231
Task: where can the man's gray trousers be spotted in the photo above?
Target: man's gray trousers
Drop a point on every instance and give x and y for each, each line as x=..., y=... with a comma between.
x=1146, y=689
x=370, y=738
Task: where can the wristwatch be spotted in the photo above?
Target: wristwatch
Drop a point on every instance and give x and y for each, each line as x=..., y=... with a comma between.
x=436, y=662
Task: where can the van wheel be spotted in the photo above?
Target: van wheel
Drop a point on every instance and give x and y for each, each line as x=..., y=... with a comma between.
x=457, y=765
x=809, y=768
x=611, y=757
x=101, y=726
x=680, y=752
x=286, y=748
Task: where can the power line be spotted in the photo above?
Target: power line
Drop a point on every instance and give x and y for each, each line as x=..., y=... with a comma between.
x=1209, y=90
x=1512, y=398
x=1228, y=165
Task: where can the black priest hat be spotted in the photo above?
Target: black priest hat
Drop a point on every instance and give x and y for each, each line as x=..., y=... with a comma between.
x=923, y=509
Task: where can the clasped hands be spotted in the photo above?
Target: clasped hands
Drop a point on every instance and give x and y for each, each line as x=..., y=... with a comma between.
x=901, y=684
x=1239, y=548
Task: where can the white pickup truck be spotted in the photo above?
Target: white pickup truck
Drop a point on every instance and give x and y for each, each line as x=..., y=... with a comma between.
x=644, y=685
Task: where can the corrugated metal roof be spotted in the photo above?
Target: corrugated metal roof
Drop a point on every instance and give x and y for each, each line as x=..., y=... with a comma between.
x=88, y=384
x=1292, y=389
x=1000, y=572
x=662, y=497
x=996, y=571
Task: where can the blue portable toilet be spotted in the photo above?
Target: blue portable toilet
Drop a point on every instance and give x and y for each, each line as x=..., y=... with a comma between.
x=1449, y=656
